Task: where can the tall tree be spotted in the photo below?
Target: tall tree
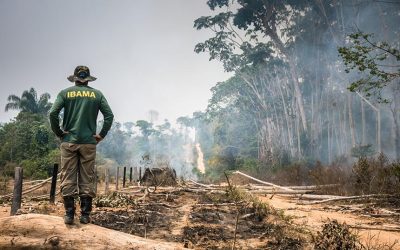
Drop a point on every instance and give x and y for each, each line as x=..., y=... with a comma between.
x=300, y=105
x=29, y=102
x=379, y=65
x=258, y=19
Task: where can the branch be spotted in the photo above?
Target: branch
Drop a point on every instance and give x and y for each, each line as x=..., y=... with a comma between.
x=379, y=47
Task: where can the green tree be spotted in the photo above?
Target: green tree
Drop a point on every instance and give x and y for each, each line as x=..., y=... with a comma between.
x=29, y=102
x=378, y=66
x=378, y=61
x=146, y=128
x=29, y=141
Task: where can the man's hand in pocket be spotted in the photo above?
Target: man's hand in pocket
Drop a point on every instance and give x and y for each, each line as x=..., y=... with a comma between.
x=98, y=138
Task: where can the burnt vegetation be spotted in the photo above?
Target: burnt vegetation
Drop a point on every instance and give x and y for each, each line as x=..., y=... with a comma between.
x=204, y=221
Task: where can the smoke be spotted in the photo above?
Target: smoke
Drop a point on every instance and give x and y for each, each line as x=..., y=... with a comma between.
x=143, y=144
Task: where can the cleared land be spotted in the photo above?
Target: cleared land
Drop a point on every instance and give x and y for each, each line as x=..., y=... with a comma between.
x=201, y=216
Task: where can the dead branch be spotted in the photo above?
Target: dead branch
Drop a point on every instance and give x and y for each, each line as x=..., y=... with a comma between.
x=215, y=204
x=30, y=189
x=157, y=203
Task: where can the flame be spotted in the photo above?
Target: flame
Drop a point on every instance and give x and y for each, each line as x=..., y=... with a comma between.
x=200, y=159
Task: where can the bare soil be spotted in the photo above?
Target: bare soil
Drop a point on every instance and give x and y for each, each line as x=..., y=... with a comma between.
x=357, y=216
x=38, y=231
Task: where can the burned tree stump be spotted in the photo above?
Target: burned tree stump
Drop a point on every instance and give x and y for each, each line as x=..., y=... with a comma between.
x=159, y=177
x=17, y=194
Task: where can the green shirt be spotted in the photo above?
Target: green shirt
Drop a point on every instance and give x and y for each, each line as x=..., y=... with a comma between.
x=81, y=105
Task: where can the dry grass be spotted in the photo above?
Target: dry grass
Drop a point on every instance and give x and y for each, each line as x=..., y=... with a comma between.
x=335, y=236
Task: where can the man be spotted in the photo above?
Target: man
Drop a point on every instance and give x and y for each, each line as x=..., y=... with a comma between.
x=81, y=105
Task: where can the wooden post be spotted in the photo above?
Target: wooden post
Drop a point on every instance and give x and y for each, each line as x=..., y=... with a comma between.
x=135, y=173
x=116, y=179
x=95, y=179
x=17, y=194
x=53, y=184
x=140, y=173
x=124, y=178
x=130, y=175
x=106, y=180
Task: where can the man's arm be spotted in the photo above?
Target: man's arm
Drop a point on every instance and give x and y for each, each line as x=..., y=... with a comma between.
x=108, y=117
x=54, y=113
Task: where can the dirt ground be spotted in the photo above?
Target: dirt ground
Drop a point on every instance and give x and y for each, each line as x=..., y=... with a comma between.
x=209, y=220
x=194, y=220
x=314, y=216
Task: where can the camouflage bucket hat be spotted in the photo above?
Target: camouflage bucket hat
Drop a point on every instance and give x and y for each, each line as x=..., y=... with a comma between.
x=81, y=74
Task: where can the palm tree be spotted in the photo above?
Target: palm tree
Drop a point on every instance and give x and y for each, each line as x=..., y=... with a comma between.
x=28, y=102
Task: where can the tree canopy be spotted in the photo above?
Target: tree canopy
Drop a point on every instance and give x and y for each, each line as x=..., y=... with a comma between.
x=29, y=102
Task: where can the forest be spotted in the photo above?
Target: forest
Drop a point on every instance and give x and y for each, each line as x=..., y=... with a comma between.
x=313, y=83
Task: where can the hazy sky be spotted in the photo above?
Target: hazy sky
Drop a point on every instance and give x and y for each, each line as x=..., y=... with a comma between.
x=141, y=51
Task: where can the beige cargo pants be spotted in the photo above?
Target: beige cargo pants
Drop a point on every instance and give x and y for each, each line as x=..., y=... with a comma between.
x=77, y=169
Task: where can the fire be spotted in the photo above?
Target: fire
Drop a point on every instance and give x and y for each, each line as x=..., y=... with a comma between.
x=200, y=159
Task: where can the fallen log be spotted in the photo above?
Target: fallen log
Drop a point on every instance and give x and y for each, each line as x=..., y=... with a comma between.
x=263, y=182
x=383, y=215
x=252, y=186
x=315, y=197
x=199, y=184
x=343, y=198
x=37, y=231
x=197, y=191
x=382, y=228
x=33, y=182
x=280, y=192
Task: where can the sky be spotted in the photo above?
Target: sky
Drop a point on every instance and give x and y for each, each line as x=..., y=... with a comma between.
x=142, y=53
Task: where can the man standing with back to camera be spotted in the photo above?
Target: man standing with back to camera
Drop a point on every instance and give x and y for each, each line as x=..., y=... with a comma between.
x=81, y=105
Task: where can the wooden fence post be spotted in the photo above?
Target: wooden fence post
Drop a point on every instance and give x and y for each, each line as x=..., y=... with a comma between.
x=130, y=175
x=17, y=194
x=135, y=173
x=124, y=178
x=53, y=184
x=117, y=179
x=106, y=180
x=95, y=179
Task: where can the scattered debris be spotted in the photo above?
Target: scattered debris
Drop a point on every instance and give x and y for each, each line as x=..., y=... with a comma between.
x=114, y=200
x=336, y=236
